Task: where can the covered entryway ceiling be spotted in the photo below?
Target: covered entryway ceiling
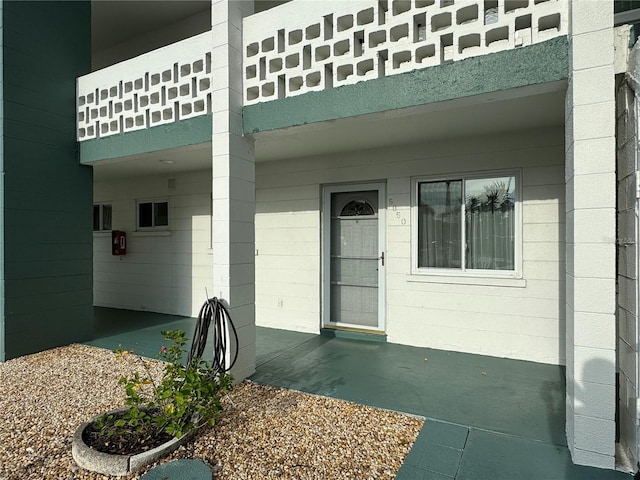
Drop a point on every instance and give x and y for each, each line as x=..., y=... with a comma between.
x=114, y=22
x=164, y=162
x=141, y=25
x=521, y=109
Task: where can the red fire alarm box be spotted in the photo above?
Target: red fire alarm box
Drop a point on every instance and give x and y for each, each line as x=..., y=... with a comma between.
x=118, y=242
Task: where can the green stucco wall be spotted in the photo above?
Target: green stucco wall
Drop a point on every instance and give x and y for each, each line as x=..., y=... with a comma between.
x=532, y=65
x=46, y=213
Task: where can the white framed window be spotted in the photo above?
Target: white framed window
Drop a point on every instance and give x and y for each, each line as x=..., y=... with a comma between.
x=102, y=217
x=467, y=224
x=153, y=214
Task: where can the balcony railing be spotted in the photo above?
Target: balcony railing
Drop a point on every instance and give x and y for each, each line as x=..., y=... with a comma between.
x=163, y=86
x=304, y=45
x=309, y=45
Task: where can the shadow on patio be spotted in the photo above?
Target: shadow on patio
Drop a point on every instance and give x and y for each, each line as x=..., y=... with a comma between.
x=487, y=417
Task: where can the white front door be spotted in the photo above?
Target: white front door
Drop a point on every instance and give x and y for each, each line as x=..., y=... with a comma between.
x=353, y=273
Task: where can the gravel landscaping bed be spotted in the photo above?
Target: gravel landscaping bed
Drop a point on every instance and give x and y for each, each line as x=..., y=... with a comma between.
x=264, y=432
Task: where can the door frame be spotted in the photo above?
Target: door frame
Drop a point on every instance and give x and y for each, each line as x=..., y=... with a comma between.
x=327, y=190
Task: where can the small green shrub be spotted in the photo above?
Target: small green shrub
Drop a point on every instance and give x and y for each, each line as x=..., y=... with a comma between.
x=186, y=398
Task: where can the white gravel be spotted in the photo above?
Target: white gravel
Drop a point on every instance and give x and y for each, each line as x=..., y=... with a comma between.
x=264, y=433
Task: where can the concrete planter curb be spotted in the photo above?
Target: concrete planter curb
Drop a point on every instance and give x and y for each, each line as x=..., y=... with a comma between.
x=120, y=465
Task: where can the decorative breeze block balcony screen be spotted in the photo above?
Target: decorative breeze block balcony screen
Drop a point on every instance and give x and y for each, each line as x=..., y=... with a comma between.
x=307, y=46
x=170, y=84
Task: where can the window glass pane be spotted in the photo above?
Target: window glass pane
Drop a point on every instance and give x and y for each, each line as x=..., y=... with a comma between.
x=145, y=215
x=96, y=218
x=106, y=217
x=161, y=214
x=490, y=223
x=440, y=224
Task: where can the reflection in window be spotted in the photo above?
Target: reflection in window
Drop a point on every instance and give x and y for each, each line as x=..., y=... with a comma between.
x=101, y=217
x=153, y=214
x=439, y=225
x=160, y=214
x=106, y=217
x=488, y=223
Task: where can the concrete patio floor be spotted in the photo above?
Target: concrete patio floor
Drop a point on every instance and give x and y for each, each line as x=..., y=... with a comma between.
x=486, y=417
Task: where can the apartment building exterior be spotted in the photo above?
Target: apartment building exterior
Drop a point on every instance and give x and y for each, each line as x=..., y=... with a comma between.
x=453, y=174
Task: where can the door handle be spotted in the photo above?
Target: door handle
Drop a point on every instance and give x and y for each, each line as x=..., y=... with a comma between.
x=382, y=258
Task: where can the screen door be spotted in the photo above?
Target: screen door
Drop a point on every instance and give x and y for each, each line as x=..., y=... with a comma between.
x=354, y=258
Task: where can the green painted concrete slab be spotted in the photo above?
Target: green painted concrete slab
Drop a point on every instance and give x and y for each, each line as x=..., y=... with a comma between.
x=437, y=450
x=273, y=343
x=442, y=433
x=509, y=396
x=114, y=321
x=410, y=472
x=501, y=457
x=496, y=418
x=435, y=458
x=137, y=331
x=180, y=470
x=141, y=331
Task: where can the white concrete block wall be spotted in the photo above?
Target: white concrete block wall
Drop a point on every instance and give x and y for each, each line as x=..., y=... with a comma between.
x=162, y=271
x=590, y=213
x=287, y=254
x=524, y=321
x=233, y=174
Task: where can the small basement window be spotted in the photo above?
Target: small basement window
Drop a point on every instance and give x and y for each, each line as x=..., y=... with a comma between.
x=153, y=215
x=101, y=217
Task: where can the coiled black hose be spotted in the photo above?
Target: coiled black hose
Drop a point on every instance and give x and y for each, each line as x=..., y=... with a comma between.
x=214, y=310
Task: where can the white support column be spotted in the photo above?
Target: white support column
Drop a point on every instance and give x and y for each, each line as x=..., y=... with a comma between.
x=627, y=163
x=233, y=187
x=590, y=216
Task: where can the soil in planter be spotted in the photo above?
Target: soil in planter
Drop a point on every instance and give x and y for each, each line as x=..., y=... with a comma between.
x=126, y=442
